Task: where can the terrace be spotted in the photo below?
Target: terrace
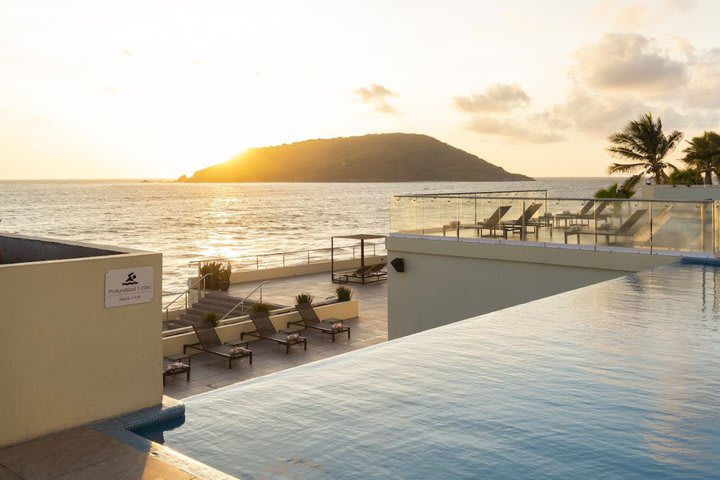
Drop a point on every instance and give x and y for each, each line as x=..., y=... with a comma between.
x=532, y=218
x=210, y=372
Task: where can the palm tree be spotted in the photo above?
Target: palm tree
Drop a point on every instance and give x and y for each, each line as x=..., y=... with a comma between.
x=643, y=142
x=704, y=154
x=626, y=190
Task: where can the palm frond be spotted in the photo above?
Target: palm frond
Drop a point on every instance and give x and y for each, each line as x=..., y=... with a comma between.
x=624, y=167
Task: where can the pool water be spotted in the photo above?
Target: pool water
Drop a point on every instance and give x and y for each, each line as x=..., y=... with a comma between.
x=616, y=380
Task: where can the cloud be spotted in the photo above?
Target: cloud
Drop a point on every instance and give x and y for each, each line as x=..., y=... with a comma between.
x=680, y=6
x=628, y=62
x=496, y=98
x=377, y=96
x=595, y=113
x=502, y=99
x=692, y=120
x=704, y=86
x=634, y=15
x=516, y=128
x=614, y=80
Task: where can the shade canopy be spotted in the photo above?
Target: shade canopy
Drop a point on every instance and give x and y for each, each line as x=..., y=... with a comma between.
x=362, y=274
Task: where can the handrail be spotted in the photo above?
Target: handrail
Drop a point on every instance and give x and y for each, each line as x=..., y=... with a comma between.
x=201, y=279
x=282, y=255
x=552, y=199
x=242, y=302
x=487, y=192
x=224, y=259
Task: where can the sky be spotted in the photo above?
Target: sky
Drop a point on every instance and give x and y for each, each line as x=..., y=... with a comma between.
x=161, y=88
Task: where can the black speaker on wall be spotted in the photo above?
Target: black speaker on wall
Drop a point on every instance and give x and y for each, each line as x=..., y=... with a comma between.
x=398, y=264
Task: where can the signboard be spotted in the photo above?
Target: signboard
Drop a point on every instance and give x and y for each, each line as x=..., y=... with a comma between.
x=128, y=286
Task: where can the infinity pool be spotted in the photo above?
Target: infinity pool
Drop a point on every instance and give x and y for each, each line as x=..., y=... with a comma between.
x=618, y=380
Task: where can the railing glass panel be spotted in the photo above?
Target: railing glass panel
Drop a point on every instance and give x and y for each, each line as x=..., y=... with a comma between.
x=639, y=225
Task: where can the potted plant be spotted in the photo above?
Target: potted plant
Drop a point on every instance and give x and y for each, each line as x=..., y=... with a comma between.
x=260, y=307
x=212, y=318
x=301, y=298
x=344, y=294
x=223, y=277
x=210, y=269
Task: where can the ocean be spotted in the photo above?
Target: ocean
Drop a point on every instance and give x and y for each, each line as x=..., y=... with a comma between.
x=187, y=221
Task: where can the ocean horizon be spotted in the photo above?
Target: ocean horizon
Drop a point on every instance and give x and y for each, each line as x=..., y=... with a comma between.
x=191, y=221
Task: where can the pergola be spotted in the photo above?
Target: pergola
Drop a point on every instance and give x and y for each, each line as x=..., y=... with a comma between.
x=361, y=237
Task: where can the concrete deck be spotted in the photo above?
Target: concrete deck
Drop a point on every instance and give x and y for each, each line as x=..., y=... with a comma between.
x=210, y=372
x=83, y=453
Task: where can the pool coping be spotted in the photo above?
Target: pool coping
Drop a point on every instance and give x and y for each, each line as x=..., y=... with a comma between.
x=122, y=429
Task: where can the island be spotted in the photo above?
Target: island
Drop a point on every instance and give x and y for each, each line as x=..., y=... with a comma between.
x=387, y=157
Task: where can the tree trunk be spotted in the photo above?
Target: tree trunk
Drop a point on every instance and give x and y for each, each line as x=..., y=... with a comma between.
x=708, y=176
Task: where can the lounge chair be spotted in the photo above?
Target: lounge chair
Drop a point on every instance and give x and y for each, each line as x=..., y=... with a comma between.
x=309, y=319
x=625, y=230
x=568, y=215
x=377, y=270
x=597, y=214
x=490, y=224
x=265, y=330
x=523, y=222
x=368, y=272
x=209, y=342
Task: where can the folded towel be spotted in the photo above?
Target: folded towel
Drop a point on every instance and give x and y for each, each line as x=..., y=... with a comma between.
x=175, y=366
x=237, y=351
x=293, y=337
x=603, y=226
x=338, y=326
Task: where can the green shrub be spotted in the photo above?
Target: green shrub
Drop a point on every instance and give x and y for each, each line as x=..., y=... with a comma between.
x=689, y=176
x=223, y=272
x=301, y=298
x=260, y=307
x=212, y=318
x=344, y=294
x=220, y=274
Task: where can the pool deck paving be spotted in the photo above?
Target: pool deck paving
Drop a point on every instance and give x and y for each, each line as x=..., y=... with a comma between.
x=210, y=372
x=85, y=453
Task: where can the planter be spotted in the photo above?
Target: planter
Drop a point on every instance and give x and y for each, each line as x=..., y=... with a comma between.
x=223, y=285
x=211, y=284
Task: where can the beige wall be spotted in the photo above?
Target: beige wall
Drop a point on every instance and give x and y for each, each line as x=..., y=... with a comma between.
x=340, y=310
x=446, y=281
x=66, y=359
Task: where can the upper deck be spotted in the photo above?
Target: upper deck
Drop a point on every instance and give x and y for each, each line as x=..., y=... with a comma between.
x=533, y=218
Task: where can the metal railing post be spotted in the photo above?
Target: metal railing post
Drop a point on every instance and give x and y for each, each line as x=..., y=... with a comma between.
x=651, y=228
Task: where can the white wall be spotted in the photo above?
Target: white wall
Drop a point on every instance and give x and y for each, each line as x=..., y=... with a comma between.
x=67, y=360
x=446, y=281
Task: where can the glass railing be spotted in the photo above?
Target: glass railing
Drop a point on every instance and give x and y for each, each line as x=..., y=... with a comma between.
x=298, y=257
x=641, y=225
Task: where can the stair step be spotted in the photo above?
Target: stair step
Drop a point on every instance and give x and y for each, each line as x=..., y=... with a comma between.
x=218, y=303
x=220, y=295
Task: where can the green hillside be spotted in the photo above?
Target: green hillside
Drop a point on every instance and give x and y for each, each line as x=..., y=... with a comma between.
x=390, y=157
